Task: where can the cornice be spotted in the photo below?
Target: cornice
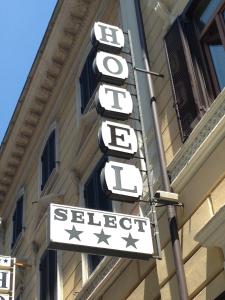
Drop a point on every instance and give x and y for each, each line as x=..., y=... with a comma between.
x=64, y=29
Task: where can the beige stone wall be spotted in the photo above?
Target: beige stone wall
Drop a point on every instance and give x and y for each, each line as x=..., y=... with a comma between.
x=202, y=196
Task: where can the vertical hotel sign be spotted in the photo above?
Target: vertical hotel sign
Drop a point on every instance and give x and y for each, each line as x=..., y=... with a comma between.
x=94, y=231
x=7, y=278
x=120, y=181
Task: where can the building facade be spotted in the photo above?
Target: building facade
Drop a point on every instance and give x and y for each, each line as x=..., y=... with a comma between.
x=50, y=153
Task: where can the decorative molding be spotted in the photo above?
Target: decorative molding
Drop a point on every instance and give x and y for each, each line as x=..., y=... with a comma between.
x=204, y=138
x=65, y=28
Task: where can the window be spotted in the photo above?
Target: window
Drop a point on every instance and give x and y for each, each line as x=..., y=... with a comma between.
x=17, y=220
x=195, y=46
x=48, y=159
x=48, y=275
x=95, y=199
x=221, y=296
x=88, y=80
x=211, y=36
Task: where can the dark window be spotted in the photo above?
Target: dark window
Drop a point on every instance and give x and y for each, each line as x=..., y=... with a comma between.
x=95, y=199
x=48, y=158
x=48, y=275
x=17, y=220
x=88, y=80
x=221, y=296
x=195, y=46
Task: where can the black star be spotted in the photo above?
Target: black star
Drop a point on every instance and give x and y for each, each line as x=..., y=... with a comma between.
x=5, y=260
x=102, y=237
x=130, y=241
x=74, y=233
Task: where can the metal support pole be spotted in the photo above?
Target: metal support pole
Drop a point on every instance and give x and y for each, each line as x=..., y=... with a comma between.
x=166, y=185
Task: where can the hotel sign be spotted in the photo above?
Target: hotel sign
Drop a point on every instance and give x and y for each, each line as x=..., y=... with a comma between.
x=7, y=275
x=120, y=181
x=99, y=232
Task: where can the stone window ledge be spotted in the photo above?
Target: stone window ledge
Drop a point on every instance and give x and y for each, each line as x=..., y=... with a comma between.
x=202, y=141
x=212, y=234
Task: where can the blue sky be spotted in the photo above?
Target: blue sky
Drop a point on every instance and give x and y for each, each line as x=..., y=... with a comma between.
x=22, y=26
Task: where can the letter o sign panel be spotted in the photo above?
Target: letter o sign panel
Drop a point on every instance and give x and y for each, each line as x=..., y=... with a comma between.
x=111, y=68
x=121, y=182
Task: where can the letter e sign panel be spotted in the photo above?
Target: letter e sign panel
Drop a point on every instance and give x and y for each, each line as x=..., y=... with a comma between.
x=117, y=139
x=98, y=232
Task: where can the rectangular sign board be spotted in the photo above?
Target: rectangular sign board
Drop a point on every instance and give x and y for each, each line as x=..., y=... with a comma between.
x=5, y=262
x=98, y=232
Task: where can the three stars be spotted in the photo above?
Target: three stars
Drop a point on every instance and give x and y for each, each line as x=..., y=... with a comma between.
x=102, y=237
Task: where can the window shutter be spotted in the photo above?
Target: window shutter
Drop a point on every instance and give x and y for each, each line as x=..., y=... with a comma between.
x=48, y=159
x=52, y=263
x=182, y=77
x=44, y=166
x=88, y=80
x=19, y=209
x=17, y=220
x=51, y=152
x=48, y=275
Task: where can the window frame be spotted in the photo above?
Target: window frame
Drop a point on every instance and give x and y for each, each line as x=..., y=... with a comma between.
x=205, y=55
x=50, y=179
x=202, y=88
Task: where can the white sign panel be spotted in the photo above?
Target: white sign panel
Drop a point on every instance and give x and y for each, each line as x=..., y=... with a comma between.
x=4, y=280
x=99, y=232
x=112, y=68
x=117, y=139
x=121, y=181
x=5, y=262
x=4, y=297
x=113, y=102
x=107, y=37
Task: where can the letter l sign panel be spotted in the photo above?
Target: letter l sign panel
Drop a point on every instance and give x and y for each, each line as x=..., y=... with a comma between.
x=121, y=182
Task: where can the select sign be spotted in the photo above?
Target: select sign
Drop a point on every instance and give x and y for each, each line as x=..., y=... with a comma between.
x=99, y=232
